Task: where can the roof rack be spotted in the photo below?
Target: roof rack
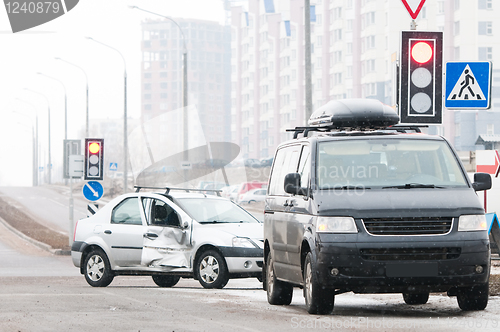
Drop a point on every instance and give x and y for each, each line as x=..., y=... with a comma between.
x=168, y=189
x=399, y=128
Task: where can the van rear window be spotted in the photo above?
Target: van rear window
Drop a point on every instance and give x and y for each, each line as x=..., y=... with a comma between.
x=380, y=163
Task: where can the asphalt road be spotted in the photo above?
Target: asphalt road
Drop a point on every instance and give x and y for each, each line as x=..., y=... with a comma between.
x=50, y=205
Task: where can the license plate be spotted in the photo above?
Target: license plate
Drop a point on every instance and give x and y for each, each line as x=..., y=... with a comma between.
x=412, y=270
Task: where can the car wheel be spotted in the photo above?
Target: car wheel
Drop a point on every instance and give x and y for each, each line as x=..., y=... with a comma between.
x=319, y=300
x=96, y=269
x=416, y=298
x=278, y=292
x=166, y=281
x=473, y=298
x=212, y=270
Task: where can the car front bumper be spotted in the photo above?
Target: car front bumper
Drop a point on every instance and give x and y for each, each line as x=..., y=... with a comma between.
x=366, y=268
x=243, y=260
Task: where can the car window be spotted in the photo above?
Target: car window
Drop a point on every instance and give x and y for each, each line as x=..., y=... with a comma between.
x=206, y=210
x=159, y=213
x=127, y=212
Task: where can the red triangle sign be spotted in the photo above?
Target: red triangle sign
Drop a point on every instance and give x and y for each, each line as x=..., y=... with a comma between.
x=413, y=7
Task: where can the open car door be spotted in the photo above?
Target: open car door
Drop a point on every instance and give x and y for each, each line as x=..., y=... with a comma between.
x=167, y=237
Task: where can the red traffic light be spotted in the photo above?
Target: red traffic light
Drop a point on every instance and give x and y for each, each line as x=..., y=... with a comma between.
x=421, y=52
x=94, y=147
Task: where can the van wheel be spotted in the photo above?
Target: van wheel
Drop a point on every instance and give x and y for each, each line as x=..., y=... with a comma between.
x=473, y=298
x=166, y=281
x=212, y=270
x=278, y=292
x=416, y=298
x=96, y=269
x=319, y=300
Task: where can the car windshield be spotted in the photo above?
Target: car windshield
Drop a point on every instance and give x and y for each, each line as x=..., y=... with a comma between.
x=387, y=163
x=207, y=210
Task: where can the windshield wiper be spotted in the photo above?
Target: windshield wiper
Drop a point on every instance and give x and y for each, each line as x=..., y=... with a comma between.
x=209, y=222
x=347, y=188
x=413, y=185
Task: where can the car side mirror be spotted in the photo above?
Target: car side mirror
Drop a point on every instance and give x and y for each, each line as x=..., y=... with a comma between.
x=185, y=224
x=482, y=181
x=292, y=185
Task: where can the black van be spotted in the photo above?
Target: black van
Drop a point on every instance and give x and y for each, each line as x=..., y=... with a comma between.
x=360, y=204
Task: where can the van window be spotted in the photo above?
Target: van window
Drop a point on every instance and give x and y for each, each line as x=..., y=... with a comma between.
x=387, y=162
x=286, y=162
x=305, y=166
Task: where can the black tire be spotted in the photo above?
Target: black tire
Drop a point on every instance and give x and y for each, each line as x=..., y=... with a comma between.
x=416, y=298
x=319, y=300
x=166, y=281
x=473, y=298
x=96, y=269
x=278, y=292
x=211, y=270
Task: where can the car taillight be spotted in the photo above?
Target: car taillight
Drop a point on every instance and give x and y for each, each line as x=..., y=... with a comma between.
x=74, y=231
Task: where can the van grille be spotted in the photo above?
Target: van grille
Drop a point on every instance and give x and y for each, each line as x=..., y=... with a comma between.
x=403, y=254
x=408, y=226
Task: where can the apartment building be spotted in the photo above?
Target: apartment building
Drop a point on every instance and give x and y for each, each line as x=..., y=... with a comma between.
x=354, y=51
x=208, y=46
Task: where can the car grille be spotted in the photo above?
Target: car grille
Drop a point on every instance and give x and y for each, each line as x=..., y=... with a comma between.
x=403, y=254
x=408, y=226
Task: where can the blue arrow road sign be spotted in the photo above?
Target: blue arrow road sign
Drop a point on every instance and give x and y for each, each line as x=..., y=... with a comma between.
x=468, y=85
x=92, y=190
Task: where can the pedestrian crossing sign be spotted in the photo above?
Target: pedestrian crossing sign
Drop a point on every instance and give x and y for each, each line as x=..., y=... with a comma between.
x=468, y=85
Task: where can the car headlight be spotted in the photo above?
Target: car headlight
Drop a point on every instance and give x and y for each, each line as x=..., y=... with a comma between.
x=242, y=242
x=336, y=225
x=474, y=222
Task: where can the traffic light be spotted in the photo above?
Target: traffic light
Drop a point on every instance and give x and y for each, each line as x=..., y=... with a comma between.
x=94, y=158
x=421, y=74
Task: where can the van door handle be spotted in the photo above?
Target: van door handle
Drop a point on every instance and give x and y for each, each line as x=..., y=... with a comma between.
x=151, y=236
x=107, y=231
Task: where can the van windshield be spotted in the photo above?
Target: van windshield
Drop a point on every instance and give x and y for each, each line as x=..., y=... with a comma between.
x=387, y=163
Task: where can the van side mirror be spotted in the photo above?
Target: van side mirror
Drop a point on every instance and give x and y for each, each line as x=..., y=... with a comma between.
x=292, y=185
x=482, y=181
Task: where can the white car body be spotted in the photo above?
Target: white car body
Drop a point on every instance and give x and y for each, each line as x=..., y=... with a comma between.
x=143, y=247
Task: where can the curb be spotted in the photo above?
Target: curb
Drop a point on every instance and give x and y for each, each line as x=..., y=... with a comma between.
x=39, y=244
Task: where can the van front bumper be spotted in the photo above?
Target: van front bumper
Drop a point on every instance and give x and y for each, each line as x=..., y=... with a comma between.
x=396, y=267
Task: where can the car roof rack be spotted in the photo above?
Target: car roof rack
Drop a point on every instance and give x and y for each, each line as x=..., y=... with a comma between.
x=168, y=189
x=399, y=128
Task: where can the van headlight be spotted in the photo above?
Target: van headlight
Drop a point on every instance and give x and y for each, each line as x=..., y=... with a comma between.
x=474, y=222
x=243, y=242
x=336, y=225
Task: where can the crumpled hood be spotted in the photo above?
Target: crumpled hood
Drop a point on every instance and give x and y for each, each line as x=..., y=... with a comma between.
x=414, y=202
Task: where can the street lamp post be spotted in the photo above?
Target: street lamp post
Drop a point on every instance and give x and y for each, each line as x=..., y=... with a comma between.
x=65, y=103
x=48, y=111
x=184, y=78
x=35, y=147
x=125, y=143
x=86, y=95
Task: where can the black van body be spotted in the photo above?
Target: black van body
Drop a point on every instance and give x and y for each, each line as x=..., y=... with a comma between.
x=382, y=217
